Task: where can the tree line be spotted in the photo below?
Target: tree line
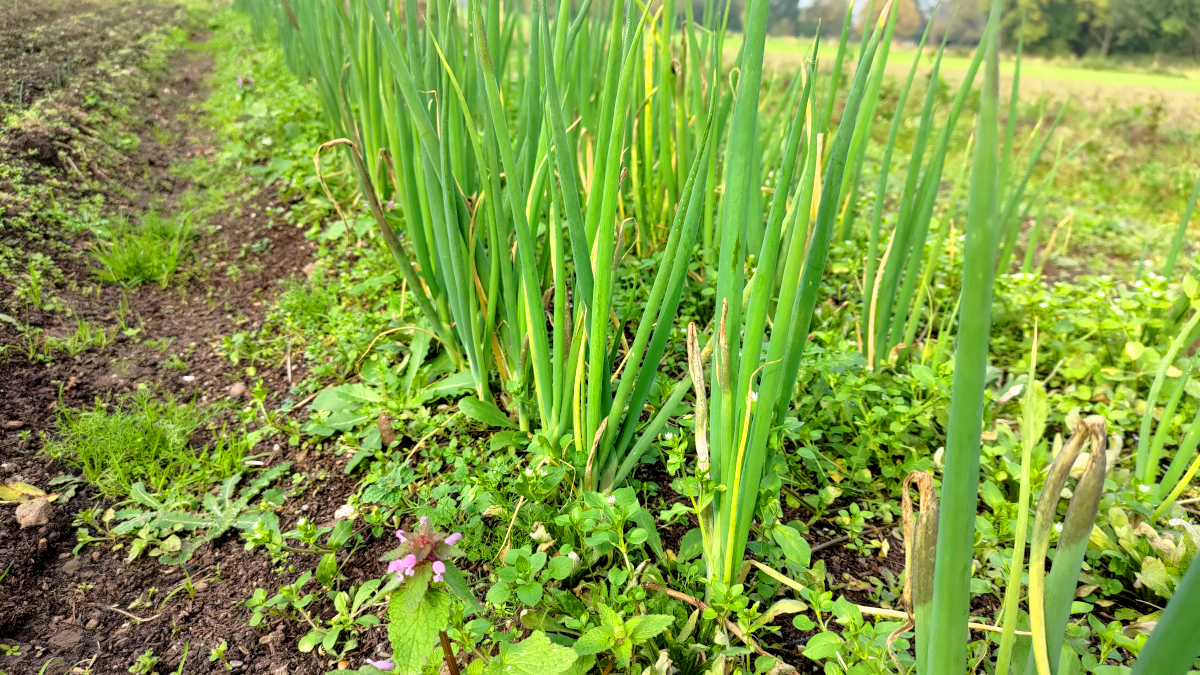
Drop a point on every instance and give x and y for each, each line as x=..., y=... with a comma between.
x=1052, y=27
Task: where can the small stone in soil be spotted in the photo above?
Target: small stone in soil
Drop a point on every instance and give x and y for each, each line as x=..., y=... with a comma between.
x=237, y=390
x=34, y=513
x=67, y=639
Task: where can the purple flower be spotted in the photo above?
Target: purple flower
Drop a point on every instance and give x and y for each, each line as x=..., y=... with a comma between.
x=403, y=566
x=382, y=665
x=241, y=81
x=400, y=536
x=439, y=568
x=391, y=204
x=453, y=539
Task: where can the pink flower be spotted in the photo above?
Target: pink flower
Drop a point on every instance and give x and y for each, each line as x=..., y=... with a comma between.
x=423, y=519
x=403, y=566
x=453, y=539
x=391, y=204
x=400, y=536
x=439, y=568
x=241, y=81
x=382, y=665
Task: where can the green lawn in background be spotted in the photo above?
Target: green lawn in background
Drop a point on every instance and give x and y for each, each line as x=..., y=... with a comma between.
x=1179, y=88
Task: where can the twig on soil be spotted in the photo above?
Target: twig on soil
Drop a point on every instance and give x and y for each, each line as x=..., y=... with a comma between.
x=94, y=136
x=699, y=604
x=897, y=614
x=504, y=545
x=838, y=540
x=136, y=618
x=67, y=156
x=311, y=396
x=866, y=609
x=73, y=167
x=427, y=436
x=215, y=307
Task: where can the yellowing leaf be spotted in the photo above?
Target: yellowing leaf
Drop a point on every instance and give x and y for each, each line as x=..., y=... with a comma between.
x=1134, y=350
x=785, y=606
x=19, y=492
x=1154, y=575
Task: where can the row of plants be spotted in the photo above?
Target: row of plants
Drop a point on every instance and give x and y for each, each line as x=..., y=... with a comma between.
x=559, y=383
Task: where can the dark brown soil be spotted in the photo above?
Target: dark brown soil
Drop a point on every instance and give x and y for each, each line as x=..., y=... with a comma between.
x=41, y=50
x=71, y=614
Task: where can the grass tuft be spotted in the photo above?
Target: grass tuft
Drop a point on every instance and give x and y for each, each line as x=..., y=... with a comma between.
x=143, y=438
x=149, y=251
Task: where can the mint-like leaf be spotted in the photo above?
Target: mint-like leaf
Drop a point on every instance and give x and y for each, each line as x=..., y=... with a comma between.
x=642, y=628
x=416, y=614
x=535, y=655
x=594, y=641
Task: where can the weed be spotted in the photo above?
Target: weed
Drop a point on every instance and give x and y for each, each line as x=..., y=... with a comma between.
x=161, y=344
x=144, y=665
x=183, y=659
x=35, y=285
x=87, y=336
x=171, y=525
x=144, y=439
x=218, y=654
x=152, y=250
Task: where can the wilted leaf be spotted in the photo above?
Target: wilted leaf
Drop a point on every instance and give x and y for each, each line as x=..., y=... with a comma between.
x=1154, y=576
x=19, y=492
x=785, y=606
